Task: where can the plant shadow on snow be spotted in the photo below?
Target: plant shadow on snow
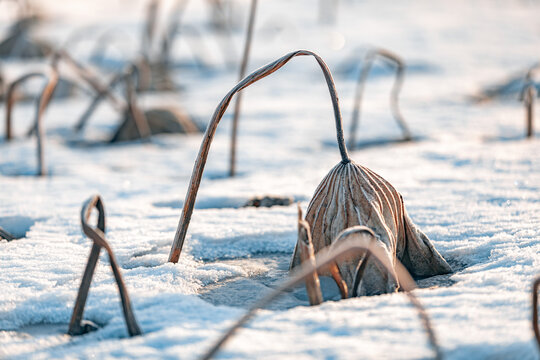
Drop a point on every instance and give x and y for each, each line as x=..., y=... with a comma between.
x=18, y=226
x=268, y=271
x=225, y=202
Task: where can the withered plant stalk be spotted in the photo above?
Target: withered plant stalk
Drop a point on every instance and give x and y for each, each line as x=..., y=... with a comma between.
x=243, y=68
x=51, y=79
x=307, y=254
x=200, y=162
x=97, y=235
x=529, y=97
x=352, y=241
x=394, y=95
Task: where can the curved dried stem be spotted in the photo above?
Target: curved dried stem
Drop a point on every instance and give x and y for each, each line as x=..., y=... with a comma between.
x=350, y=242
x=200, y=162
x=97, y=235
x=87, y=75
x=242, y=73
x=394, y=95
x=536, y=286
x=138, y=69
x=43, y=101
x=307, y=255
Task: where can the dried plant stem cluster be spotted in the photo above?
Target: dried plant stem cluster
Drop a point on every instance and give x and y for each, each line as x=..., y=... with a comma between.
x=352, y=242
x=394, y=95
x=76, y=325
x=200, y=162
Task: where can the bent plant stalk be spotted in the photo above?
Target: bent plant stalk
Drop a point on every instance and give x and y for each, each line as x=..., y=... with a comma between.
x=238, y=103
x=307, y=254
x=394, y=95
x=43, y=101
x=200, y=162
x=76, y=325
x=536, y=286
x=351, y=242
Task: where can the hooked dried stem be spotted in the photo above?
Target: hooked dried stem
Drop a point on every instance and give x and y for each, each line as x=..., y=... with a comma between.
x=97, y=235
x=536, y=286
x=42, y=102
x=200, y=162
x=351, y=242
x=394, y=95
x=242, y=73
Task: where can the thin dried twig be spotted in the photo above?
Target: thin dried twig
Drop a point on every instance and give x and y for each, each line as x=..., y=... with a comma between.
x=351, y=242
x=242, y=73
x=200, y=162
x=394, y=96
x=5, y=235
x=43, y=101
x=97, y=235
x=528, y=94
x=536, y=286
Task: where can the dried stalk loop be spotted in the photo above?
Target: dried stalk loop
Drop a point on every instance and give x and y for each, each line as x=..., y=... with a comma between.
x=51, y=79
x=4, y=235
x=536, y=286
x=394, y=95
x=77, y=326
x=200, y=162
x=243, y=68
x=350, y=243
x=313, y=286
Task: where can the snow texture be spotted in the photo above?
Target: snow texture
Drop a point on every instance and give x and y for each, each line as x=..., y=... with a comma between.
x=471, y=183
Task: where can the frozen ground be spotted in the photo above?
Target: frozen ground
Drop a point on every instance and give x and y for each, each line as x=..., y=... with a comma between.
x=472, y=184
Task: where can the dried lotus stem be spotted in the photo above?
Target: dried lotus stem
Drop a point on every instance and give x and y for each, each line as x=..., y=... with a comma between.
x=307, y=255
x=86, y=74
x=149, y=28
x=243, y=68
x=5, y=235
x=351, y=242
x=200, y=162
x=536, y=286
x=171, y=30
x=97, y=235
x=529, y=94
x=394, y=96
x=42, y=103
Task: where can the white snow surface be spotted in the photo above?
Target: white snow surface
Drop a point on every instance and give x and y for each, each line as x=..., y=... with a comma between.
x=471, y=182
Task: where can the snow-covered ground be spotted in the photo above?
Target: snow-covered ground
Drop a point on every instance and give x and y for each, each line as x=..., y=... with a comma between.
x=471, y=182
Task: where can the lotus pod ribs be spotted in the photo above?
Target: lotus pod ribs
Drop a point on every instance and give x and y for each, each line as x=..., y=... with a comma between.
x=351, y=195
